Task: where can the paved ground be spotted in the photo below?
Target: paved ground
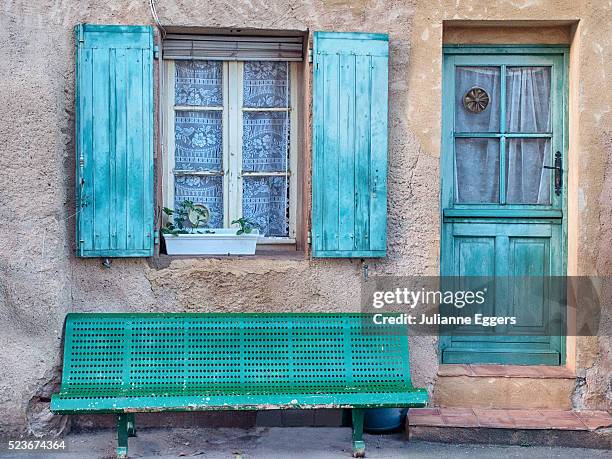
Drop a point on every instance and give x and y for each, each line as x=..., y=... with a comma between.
x=284, y=443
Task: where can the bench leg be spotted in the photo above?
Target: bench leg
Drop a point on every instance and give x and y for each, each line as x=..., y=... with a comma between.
x=122, y=435
x=358, y=443
x=131, y=424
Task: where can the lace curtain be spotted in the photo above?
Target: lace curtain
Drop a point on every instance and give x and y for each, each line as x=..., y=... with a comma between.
x=527, y=111
x=266, y=84
x=265, y=146
x=198, y=136
x=264, y=201
x=198, y=83
x=198, y=141
x=265, y=141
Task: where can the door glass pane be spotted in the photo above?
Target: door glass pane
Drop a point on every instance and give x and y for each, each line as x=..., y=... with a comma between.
x=527, y=182
x=198, y=83
x=477, y=94
x=528, y=99
x=266, y=84
x=207, y=190
x=265, y=202
x=477, y=170
x=198, y=140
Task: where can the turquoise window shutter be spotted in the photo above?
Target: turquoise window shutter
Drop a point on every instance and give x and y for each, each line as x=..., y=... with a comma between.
x=114, y=130
x=349, y=189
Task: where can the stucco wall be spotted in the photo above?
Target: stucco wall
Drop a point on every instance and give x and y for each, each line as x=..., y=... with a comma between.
x=41, y=280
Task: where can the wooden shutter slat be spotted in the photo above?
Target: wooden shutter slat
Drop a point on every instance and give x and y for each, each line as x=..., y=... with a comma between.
x=114, y=141
x=378, y=153
x=135, y=166
x=350, y=106
x=362, y=156
x=100, y=149
x=84, y=132
x=120, y=208
x=346, y=160
x=330, y=154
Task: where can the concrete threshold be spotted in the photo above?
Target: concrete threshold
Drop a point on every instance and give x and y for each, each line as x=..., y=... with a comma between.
x=516, y=387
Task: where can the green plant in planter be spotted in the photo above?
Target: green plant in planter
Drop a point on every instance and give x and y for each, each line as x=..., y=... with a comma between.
x=187, y=213
x=246, y=226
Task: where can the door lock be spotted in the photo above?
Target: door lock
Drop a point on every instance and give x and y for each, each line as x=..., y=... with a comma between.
x=558, y=168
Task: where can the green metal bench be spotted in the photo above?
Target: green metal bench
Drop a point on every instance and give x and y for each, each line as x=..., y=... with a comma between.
x=135, y=363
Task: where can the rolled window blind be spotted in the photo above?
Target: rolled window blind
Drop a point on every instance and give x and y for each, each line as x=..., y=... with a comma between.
x=233, y=47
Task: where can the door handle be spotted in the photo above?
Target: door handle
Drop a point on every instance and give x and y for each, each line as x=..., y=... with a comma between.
x=558, y=168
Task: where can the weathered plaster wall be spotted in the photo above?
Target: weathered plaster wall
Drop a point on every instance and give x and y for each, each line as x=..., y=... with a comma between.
x=41, y=280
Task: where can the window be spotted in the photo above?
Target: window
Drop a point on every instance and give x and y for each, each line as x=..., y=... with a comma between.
x=503, y=134
x=230, y=137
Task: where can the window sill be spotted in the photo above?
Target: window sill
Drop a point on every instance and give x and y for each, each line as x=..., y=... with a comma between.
x=280, y=252
x=283, y=241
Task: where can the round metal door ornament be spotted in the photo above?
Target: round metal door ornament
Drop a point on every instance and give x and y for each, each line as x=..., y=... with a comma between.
x=476, y=100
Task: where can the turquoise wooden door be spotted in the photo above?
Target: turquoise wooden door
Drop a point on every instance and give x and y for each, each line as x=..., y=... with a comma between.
x=503, y=201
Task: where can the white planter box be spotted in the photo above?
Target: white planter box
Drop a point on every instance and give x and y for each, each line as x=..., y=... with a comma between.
x=224, y=241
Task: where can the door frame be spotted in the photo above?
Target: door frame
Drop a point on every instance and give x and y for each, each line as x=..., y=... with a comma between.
x=541, y=213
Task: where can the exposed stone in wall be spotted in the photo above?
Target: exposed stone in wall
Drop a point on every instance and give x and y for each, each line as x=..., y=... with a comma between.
x=41, y=422
x=594, y=381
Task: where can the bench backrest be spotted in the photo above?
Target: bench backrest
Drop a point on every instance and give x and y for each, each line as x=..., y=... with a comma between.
x=230, y=353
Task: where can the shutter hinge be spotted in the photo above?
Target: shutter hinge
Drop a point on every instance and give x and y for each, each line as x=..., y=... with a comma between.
x=155, y=237
x=309, y=239
x=80, y=35
x=156, y=52
x=310, y=55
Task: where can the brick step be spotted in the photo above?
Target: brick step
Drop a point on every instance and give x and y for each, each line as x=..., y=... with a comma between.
x=587, y=429
x=504, y=387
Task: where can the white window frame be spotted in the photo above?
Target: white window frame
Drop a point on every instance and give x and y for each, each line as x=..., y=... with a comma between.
x=232, y=172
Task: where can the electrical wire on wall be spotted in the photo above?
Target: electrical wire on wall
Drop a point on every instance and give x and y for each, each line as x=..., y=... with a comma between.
x=156, y=18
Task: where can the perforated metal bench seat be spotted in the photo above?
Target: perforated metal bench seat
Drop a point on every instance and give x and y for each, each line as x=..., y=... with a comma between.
x=130, y=363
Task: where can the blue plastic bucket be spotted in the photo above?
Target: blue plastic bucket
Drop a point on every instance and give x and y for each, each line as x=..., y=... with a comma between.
x=379, y=420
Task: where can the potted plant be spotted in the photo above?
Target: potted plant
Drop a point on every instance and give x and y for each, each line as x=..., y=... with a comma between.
x=185, y=233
